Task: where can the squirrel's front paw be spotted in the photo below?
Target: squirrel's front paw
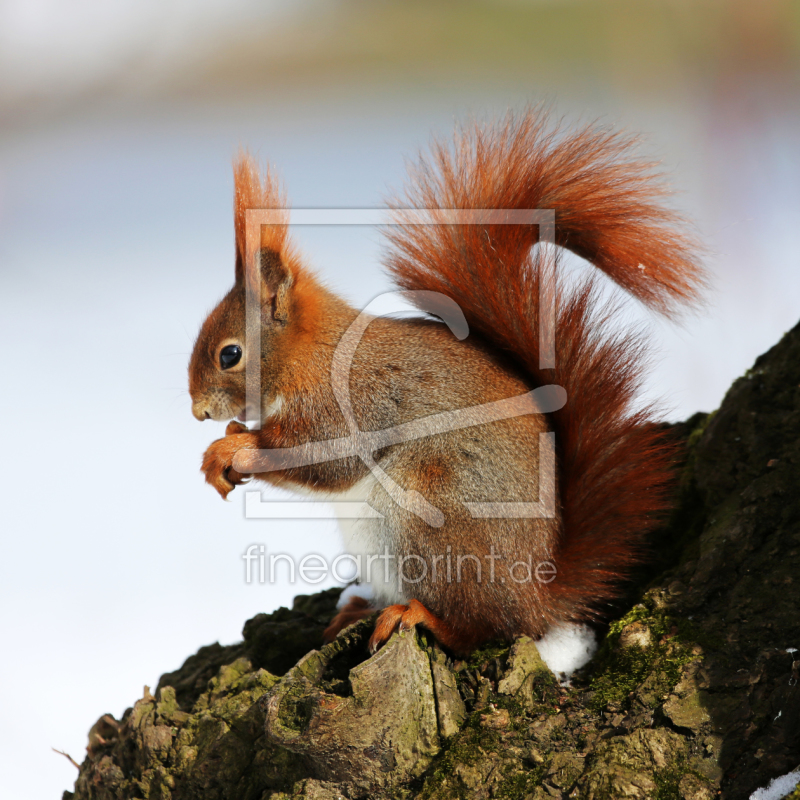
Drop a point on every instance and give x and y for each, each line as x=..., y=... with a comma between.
x=218, y=459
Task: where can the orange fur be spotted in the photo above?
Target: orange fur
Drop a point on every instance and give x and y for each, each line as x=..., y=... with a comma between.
x=613, y=463
x=357, y=608
x=404, y=617
x=251, y=191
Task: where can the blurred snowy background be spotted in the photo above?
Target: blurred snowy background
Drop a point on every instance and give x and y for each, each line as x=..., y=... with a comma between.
x=118, y=122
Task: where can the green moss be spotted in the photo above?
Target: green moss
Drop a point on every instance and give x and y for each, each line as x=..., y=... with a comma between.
x=167, y=705
x=516, y=710
x=464, y=749
x=468, y=747
x=620, y=671
x=520, y=784
x=696, y=425
x=668, y=781
x=295, y=710
x=488, y=653
x=229, y=675
x=476, y=742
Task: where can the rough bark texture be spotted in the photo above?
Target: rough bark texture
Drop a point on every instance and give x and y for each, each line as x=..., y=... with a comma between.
x=693, y=695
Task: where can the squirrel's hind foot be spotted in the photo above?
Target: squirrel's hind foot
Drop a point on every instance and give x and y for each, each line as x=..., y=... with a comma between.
x=402, y=618
x=356, y=609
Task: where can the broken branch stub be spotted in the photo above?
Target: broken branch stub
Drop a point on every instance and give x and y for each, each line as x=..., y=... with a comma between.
x=376, y=726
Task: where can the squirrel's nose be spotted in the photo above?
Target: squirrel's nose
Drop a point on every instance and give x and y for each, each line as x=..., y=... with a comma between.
x=200, y=411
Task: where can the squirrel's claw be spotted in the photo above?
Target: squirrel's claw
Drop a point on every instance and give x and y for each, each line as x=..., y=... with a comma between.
x=236, y=478
x=401, y=618
x=228, y=481
x=224, y=487
x=220, y=481
x=387, y=623
x=218, y=460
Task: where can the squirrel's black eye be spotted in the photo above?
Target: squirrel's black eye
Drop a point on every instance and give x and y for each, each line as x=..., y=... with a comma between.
x=230, y=356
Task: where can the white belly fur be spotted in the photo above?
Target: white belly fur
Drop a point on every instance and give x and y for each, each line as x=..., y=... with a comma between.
x=364, y=539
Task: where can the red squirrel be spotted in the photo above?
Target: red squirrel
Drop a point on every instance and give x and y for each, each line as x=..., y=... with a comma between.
x=469, y=579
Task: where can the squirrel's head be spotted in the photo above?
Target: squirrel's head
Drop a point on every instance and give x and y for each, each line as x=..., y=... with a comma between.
x=217, y=374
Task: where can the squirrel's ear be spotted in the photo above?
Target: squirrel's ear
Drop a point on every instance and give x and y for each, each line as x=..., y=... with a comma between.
x=276, y=283
x=256, y=190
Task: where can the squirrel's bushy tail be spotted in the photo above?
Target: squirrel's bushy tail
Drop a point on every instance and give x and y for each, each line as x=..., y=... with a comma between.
x=614, y=463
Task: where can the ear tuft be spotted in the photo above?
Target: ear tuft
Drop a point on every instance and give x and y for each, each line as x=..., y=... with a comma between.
x=252, y=191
